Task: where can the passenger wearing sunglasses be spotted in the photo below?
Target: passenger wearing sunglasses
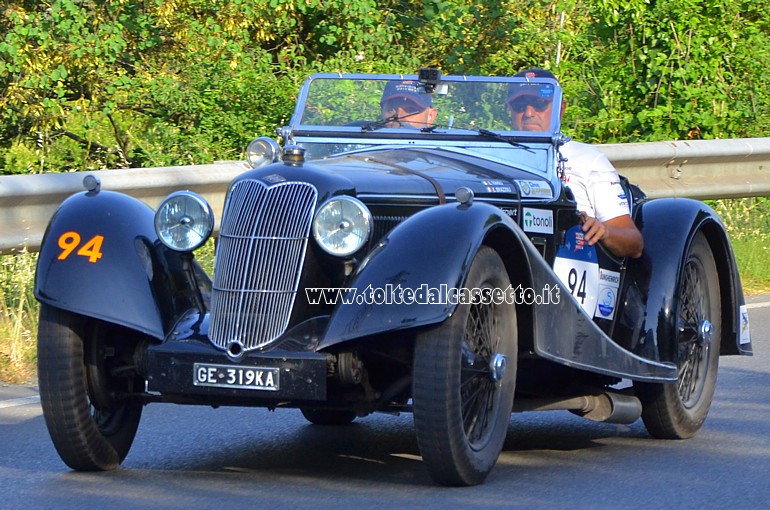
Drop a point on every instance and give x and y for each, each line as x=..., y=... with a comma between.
x=531, y=106
x=404, y=104
x=595, y=183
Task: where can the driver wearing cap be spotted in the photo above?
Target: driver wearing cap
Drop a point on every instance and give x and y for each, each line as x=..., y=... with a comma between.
x=531, y=105
x=594, y=182
x=405, y=104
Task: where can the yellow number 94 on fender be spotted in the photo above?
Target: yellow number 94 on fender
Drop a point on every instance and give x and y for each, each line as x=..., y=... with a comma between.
x=70, y=241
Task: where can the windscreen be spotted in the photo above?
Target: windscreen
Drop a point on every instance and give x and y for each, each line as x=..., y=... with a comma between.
x=457, y=105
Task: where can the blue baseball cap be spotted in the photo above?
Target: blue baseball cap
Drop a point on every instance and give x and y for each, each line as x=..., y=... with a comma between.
x=540, y=90
x=407, y=89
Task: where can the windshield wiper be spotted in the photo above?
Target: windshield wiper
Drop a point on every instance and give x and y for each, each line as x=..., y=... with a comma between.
x=498, y=136
x=373, y=126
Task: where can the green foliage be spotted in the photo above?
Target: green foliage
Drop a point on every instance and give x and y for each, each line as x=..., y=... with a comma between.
x=669, y=70
x=88, y=84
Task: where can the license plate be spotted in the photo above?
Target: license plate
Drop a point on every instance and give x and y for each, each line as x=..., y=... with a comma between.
x=228, y=376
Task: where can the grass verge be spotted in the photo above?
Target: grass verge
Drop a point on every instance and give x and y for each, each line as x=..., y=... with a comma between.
x=18, y=325
x=748, y=223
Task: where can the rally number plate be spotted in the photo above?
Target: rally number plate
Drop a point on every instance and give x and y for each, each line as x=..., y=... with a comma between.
x=228, y=376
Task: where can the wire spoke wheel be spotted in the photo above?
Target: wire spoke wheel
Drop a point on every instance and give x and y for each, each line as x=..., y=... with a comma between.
x=464, y=380
x=693, y=351
x=677, y=411
x=478, y=389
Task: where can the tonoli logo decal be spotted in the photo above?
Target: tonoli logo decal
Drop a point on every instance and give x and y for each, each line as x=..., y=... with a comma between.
x=538, y=221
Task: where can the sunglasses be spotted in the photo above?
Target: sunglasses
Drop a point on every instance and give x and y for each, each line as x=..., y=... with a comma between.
x=407, y=106
x=520, y=104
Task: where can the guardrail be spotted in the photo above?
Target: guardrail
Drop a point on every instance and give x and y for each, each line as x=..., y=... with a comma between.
x=696, y=169
x=700, y=169
x=27, y=202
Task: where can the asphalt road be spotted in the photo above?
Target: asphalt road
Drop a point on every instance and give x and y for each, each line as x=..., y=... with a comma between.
x=197, y=458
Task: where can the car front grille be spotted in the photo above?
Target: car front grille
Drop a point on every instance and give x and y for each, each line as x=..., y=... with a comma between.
x=260, y=252
x=382, y=225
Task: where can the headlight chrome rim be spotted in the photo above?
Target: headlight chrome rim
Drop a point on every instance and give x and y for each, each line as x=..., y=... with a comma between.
x=342, y=226
x=184, y=221
x=263, y=151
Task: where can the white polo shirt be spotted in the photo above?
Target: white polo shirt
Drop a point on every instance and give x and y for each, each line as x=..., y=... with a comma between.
x=594, y=182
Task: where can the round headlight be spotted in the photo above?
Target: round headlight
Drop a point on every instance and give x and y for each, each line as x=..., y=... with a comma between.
x=342, y=226
x=263, y=151
x=184, y=221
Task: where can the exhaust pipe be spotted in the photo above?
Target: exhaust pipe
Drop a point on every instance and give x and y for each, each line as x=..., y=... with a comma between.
x=613, y=408
x=607, y=407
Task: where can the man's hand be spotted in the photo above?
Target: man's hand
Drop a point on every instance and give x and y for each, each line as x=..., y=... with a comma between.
x=619, y=235
x=594, y=230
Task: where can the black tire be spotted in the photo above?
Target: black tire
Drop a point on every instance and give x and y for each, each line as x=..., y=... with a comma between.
x=77, y=360
x=461, y=413
x=677, y=411
x=333, y=417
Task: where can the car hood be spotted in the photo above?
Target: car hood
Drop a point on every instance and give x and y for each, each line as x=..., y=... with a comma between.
x=423, y=171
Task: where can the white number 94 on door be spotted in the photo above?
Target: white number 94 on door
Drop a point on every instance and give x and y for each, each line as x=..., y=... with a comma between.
x=577, y=266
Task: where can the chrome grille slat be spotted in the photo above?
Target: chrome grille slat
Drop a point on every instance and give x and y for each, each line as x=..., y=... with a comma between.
x=383, y=225
x=261, y=249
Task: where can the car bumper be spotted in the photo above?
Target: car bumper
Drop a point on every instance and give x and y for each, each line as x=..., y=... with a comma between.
x=196, y=372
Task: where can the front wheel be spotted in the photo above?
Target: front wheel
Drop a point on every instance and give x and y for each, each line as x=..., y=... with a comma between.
x=677, y=411
x=464, y=380
x=85, y=374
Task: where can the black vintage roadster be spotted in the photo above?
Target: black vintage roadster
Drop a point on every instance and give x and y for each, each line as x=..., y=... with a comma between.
x=370, y=264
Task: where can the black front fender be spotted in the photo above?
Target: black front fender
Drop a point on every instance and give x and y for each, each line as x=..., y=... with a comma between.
x=402, y=283
x=100, y=257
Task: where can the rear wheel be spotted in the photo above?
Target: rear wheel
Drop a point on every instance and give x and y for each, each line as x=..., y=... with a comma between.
x=84, y=370
x=464, y=380
x=677, y=411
